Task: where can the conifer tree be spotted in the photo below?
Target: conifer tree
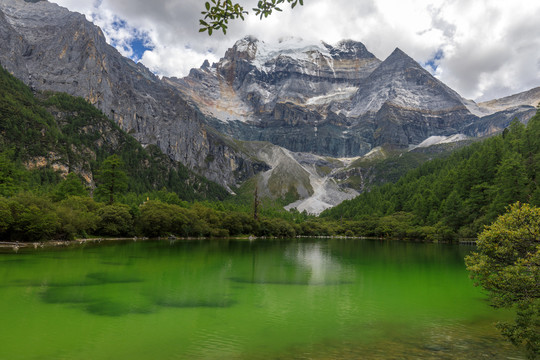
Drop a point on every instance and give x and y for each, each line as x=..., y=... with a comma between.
x=112, y=180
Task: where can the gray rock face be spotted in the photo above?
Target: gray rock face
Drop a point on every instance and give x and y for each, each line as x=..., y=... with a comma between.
x=329, y=100
x=497, y=122
x=51, y=48
x=333, y=100
x=402, y=82
x=530, y=98
x=281, y=93
x=254, y=77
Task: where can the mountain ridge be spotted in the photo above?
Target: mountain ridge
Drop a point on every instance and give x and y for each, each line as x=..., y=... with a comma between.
x=78, y=61
x=287, y=96
x=328, y=100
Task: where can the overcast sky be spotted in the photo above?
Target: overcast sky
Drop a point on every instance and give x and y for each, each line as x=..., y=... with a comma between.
x=483, y=49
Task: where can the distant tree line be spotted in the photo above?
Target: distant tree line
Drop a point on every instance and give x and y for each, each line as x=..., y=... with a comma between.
x=441, y=200
x=456, y=196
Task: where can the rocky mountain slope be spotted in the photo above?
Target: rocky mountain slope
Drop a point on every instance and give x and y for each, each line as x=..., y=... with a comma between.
x=333, y=100
x=284, y=112
x=526, y=98
x=53, y=134
x=51, y=48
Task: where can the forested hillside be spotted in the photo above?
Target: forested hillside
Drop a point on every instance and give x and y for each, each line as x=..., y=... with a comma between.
x=68, y=171
x=44, y=137
x=457, y=195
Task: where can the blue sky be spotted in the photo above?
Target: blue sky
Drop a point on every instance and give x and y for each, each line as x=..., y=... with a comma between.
x=139, y=45
x=130, y=41
x=433, y=63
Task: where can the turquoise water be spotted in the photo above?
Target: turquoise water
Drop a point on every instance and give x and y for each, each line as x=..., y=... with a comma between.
x=309, y=299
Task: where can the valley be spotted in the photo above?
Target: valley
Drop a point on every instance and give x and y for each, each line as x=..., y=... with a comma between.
x=285, y=197
x=311, y=99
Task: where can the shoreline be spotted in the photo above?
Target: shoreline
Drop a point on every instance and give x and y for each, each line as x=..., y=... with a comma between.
x=15, y=246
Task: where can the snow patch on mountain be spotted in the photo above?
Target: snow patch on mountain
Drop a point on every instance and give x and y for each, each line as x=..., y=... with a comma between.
x=475, y=109
x=263, y=54
x=317, y=191
x=349, y=160
x=436, y=140
x=338, y=94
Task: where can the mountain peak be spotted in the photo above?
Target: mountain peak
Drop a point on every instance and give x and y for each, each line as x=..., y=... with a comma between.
x=401, y=81
x=261, y=53
x=248, y=39
x=30, y=15
x=399, y=55
x=351, y=49
x=397, y=62
x=245, y=48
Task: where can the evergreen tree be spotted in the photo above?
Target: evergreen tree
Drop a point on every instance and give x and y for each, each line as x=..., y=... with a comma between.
x=70, y=186
x=510, y=183
x=112, y=180
x=10, y=175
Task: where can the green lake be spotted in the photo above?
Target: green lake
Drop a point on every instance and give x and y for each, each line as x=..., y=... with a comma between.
x=294, y=299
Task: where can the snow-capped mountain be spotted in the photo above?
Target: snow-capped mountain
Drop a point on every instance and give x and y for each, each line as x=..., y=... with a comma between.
x=254, y=76
x=284, y=112
x=333, y=100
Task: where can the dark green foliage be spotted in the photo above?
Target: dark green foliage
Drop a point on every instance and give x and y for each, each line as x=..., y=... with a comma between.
x=115, y=220
x=78, y=137
x=11, y=175
x=275, y=227
x=161, y=219
x=6, y=218
x=78, y=216
x=458, y=195
x=30, y=217
x=71, y=186
x=507, y=265
x=111, y=179
x=34, y=218
x=23, y=122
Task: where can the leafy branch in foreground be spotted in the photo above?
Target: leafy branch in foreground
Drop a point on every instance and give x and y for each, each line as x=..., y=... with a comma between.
x=217, y=13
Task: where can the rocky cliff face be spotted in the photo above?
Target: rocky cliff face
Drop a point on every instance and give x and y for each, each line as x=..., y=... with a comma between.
x=314, y=99
x=281, y=93
x=528, y=98
x=329, y=100
x=253, y=77
x=50, y=48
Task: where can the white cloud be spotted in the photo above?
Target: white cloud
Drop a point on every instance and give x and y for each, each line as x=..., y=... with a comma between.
x=489, y=47
x=172, y=61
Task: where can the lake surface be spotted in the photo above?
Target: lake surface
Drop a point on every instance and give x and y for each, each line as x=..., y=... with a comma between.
x=296, y=299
